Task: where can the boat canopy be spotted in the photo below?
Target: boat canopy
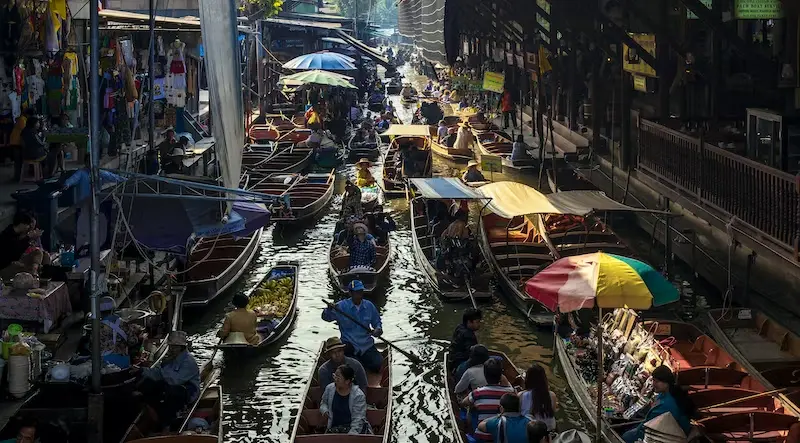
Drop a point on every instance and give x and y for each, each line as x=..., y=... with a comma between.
x=511, y=199
x=445, y=187
x=407, y=130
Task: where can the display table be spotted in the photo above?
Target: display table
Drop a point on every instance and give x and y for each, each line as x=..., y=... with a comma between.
x=16, y=305
x=81, y=140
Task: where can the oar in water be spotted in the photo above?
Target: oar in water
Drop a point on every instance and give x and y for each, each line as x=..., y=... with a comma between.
x=410, y=356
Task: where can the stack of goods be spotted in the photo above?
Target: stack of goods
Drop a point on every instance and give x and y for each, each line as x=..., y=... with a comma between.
x=630, y=355
x=272, y=298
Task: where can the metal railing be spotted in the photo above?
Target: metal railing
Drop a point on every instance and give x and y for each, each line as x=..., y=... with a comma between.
x=762, y=197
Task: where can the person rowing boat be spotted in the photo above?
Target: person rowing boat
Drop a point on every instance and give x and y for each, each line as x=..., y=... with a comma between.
x=359, y=343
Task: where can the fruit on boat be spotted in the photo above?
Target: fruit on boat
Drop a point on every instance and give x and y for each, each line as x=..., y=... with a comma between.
x=272, y=298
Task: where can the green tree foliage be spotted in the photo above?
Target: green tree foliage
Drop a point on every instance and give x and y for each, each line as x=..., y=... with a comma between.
x=271, y=7
x=382, y=12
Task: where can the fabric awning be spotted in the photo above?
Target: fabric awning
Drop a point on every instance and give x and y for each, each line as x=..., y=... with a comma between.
x=364, y=49
x=511, y=199
x=407, y=130
x=445, y=187
x=303, y=23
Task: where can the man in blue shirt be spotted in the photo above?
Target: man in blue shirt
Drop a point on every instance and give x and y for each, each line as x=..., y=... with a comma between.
x=173, y=384
x=358, y=341
x=82, y=179
x=510, y=425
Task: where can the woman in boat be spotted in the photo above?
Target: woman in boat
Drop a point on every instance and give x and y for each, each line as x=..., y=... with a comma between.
x=351, y=204
x=472, y=174
x=441, y=132
x=364, y=177
x=241, y=320
x=670, y=398
x=343, y=405
x=537, y=399
x=362, y=247
x=519, y=150
x=465, y=138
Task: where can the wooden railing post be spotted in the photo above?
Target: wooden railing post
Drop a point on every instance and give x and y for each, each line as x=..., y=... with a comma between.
x=702, y=167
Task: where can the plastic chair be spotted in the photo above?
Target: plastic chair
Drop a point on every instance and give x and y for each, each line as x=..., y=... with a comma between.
x=37, y=171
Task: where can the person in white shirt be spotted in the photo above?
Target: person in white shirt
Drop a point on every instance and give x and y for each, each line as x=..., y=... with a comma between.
x=465, y=138
x=537, y=400
x=441, y=132
x=315, y=139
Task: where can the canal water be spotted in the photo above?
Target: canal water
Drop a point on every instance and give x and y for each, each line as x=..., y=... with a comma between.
x=262, y=393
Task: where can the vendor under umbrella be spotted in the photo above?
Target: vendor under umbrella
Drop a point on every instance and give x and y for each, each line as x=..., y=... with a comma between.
x=670, y=398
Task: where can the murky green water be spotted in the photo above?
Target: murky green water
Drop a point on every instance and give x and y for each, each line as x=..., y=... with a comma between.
x=262, y=394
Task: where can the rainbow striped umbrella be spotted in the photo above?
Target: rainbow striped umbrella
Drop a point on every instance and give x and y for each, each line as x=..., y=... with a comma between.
x=601, y=280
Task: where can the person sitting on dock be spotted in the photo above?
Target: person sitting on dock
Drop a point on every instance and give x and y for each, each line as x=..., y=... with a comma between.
x=464, y=339
x=334, y=348
x=670, y=398
x=512, y=423
x=485, y=401
x=117, y=336
x=16, y=238
x=363, y=175
x=472, y=174
x=174, y=383
x=362, y=247
x=357, y=339
x=519, y=150
x=343, y=405
x=241, y=320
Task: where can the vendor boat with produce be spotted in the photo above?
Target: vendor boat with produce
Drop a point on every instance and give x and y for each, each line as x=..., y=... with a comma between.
x=409, y=156
x=265, y=313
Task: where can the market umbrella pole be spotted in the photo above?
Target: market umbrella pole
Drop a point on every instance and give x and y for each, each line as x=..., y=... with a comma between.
x=96, y=396
x=599, y=434
x=151, y=115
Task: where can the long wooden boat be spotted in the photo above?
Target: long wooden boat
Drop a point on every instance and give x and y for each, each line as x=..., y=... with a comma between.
x=496, y=143
x=272, y=329
x=357, y=149
x=453, y=154
x=712, y=378
x=286, y=158
x=208, y=406
x=460, y=426
x=310, y=425
x=768, y=351
x=308, y=194
x=342, y=275
x=425, y=236
x=215, y=263
x=517, y=249
x=270, y=133
x=393, y=182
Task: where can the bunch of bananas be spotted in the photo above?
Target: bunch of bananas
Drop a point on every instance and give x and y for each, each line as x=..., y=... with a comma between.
x=272, y=298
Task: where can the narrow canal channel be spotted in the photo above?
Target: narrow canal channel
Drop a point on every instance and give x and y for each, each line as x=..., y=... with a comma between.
x=262, y=393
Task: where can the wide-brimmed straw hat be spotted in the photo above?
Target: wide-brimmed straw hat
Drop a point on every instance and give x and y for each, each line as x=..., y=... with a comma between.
x=333, y=343
x=572, y=436
x=472, y=163
x=177, y=338
x=357, y=226
x=364, y=160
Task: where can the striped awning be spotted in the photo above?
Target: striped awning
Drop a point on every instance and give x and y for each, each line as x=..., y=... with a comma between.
x=445, y=187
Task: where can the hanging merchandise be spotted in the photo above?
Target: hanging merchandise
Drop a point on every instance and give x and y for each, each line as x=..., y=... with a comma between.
x=55, y=89
x=126, y=48
x=73, y=95
x=176, y=79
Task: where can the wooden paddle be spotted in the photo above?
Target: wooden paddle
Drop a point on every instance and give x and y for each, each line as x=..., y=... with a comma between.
x=410, y=356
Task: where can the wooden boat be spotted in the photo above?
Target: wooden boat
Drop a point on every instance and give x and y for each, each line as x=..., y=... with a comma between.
x=215, y=263
x=270, y=133
x=496, y=143
x=310, y=425
x=394, y=88
x=339, y=265
x=768, y=351
x=286, y=158
x=408, y=100
x=208, y=406
x=480, y=124
x=360, y=149
x=426, y=236
x=272, y=330
x=461, y=427
x=393, y=183
x=516, y=250
x=712, y=378
x=442, y=150
x=307, y=194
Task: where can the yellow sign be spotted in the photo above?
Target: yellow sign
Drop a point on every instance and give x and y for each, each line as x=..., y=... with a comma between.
x=640, y=83
x=758, y=9
x=491, y=163
x=493, y=81
x=632, y=62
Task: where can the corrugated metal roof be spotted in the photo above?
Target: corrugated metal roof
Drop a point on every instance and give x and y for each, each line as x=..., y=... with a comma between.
x=303, y=23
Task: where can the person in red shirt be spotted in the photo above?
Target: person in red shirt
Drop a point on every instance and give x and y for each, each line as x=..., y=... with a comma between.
x=507, y=106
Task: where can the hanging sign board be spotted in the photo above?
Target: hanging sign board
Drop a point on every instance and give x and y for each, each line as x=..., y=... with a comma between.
x=758, y=9
x=632, y=62
x=545, y=5
x=640, y=83
x=493, y=81
x=491, y=163
x=691, y=15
